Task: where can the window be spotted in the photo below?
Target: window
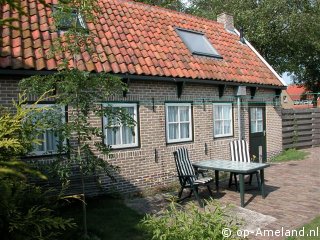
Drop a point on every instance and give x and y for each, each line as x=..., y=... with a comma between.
x=222, y=120
x=49, y=139
x=118, y=135
x=256, y=119
x=178, y=122
x=197, y=43
x=67, y=18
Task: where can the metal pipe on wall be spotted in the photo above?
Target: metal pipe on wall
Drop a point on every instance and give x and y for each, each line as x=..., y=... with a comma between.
x=239, y=116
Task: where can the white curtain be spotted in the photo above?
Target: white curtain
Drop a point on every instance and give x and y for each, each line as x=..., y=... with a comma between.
x=117, y=133
x=40, y=147
x=127, y=132
x=51, y=141
x=222, y=119
x=184, y=122
x=173, y=122
x=179, y=122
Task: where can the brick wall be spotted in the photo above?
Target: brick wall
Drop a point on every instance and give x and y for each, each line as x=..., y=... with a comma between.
x=140, y=169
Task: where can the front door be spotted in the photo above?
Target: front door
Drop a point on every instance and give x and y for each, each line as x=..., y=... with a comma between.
x=257, y=136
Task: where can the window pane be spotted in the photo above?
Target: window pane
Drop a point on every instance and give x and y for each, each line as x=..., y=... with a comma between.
x=113, y=136
x=184, y=114
x=218, y=127
x=197, y=42
x=227, y=112
x=40, y=146
x=173, y=131
x=227, y=127
x=172, y=114
x=259, y=126
x=130, y=111
x=127, y=135
x=253, y=114
x=184, y=130
x=51, y=141
x=218, y=112
x=253, y=126
x=259, y=113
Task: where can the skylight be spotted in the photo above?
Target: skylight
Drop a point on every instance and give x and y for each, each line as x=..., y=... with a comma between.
x=67, y=18
x=197, y=43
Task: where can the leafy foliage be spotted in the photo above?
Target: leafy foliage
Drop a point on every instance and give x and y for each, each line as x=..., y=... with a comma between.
x=285, y=32
x=290, y=155
x=18, y=134
x=83, y=93
x=177, y=5
x=26, y=212
x=177, y=223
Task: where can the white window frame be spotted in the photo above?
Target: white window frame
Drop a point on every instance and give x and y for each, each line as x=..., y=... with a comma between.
x=214, y=120
x=167, y=105
x=135, y=118
x=46, y=152
x=256, y=121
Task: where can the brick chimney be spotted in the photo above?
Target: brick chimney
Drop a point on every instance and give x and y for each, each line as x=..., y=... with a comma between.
x=226, y=20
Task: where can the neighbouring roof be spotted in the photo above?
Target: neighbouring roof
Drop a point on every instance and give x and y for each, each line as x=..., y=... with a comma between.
x=295, y=91
x=135, y=38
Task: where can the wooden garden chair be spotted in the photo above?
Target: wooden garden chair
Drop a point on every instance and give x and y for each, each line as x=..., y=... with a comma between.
x=188, y=177
x=239, y=150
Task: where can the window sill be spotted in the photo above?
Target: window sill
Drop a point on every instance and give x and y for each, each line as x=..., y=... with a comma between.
x=44, y=155
x=124, y=148
x=223, y=136
x=178, y=142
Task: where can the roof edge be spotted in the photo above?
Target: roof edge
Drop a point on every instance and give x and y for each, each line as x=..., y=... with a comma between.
x=263, y=60
x=27, y=73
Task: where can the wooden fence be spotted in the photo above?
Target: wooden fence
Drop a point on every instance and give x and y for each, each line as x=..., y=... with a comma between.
x=300, y=128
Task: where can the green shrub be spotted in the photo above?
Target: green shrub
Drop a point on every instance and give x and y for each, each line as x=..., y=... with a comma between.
x=291, y=154
x=27, y=212
x=189, y=223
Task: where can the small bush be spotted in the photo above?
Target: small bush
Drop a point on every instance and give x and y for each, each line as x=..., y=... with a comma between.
x=290, y=155
x=27, y=212
x=190, y=223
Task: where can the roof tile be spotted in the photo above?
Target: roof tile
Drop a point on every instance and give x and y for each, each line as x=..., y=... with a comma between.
x=137, y=39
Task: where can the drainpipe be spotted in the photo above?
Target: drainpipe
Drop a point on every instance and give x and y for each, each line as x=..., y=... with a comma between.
x=239, y=116
x=241, y=91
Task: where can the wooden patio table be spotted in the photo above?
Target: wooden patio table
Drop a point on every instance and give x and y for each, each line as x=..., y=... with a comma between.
x=241, y=168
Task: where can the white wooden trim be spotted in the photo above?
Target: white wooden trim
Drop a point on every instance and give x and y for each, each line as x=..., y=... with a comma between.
x=179, y=122
x=135, y=117
x=231, y=126
x=46, y=152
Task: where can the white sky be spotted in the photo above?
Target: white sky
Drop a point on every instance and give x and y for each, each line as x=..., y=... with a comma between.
x=286, y=78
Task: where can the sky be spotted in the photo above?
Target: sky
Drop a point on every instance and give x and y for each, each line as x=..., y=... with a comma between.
x=285, y=76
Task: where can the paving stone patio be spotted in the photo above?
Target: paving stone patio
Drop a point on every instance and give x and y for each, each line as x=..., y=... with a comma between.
x=292, y=197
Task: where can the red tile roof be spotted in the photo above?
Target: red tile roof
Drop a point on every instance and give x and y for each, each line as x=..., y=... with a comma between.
x=295, y=91
x=134, y=38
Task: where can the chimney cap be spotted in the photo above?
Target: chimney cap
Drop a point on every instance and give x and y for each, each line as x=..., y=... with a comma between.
x=227, y=21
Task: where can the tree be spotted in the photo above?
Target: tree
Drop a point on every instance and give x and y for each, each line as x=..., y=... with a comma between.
x=26, y=211
x=285, y=32
x=177, y=5
x=83, y=92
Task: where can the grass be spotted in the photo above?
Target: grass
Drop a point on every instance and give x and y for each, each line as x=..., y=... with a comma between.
x=314, y=226
x=290, y=155
x=108, y=218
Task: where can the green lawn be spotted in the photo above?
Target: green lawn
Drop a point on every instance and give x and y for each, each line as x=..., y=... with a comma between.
x=107, y=218
x=290, y=155
x=314, y=234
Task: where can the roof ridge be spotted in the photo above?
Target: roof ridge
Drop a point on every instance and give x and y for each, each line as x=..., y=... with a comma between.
x=167, y=10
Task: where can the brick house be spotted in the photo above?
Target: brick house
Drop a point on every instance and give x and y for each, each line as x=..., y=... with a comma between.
x=297, y=97
x=185, y=76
